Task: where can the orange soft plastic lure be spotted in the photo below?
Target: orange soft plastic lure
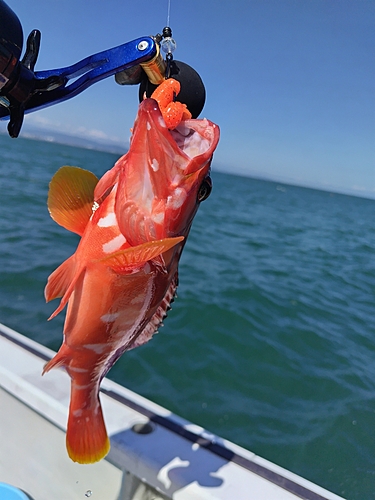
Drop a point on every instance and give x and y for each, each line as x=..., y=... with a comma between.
x=173, y=111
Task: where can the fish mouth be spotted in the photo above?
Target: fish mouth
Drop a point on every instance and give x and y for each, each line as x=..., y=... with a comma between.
x=161, y=175
x=165, y=163
x=194, y=139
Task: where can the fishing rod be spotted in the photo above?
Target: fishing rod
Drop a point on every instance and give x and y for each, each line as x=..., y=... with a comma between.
x=138, y=62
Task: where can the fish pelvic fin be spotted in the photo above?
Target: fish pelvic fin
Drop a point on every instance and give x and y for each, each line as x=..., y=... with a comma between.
x=87, y=440
x=71, y=198
x=134, y=256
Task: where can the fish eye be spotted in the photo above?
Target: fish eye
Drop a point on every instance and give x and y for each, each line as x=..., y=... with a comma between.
x=205, y=189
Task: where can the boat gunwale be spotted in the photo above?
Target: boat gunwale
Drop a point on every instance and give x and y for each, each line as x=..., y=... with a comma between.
x=177, y=425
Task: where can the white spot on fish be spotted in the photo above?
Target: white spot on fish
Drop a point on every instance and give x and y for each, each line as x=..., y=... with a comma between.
x=77, y=413
x=161, y=122
x=177, y=199
x=95, y=206
x=155, y=165
x=148, y=125
x=79, y=387
x=77, y=370
x=176, y=180
x=158, y=217
x=108, y=318
x=114, y=244
x=138, y=299
x=108, y=221
x=97, y=348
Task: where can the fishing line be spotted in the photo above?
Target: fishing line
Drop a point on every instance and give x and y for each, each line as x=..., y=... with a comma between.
x=168, y=44
x=169, y=12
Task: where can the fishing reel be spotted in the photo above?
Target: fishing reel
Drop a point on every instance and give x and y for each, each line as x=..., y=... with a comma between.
x=17, y=78
x=138, y=62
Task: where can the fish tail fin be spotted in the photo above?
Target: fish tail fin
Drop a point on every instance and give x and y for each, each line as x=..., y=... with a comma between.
x=87, y=441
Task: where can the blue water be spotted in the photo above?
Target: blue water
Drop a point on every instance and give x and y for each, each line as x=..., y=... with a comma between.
x=271, y=342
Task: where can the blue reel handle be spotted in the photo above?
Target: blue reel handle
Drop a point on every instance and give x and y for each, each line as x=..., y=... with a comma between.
x=89, y=71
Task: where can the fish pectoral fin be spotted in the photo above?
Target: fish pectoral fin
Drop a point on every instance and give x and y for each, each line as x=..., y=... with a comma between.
x=71, y=198
x=139, y=254
x=59, y=281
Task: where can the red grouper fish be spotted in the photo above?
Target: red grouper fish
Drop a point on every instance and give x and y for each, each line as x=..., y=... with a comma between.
x=122, y=278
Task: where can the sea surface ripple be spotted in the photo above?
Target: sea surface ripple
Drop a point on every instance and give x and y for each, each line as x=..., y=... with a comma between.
x=271, y=341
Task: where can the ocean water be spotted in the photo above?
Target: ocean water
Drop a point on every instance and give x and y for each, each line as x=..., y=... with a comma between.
x=271, y=342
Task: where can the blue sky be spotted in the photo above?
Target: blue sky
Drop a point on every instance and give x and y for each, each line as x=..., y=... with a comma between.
x=289, y=82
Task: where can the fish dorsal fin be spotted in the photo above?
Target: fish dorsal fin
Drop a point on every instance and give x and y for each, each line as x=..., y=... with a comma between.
x=157, y=319
x=71, y=197
x=133, y=256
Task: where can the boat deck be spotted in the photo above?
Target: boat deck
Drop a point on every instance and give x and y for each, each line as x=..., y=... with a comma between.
x=154, y=455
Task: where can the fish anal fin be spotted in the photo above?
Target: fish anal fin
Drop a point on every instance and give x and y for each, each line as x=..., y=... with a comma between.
x=59, y=281
x=139, y=254
x=71, y=197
